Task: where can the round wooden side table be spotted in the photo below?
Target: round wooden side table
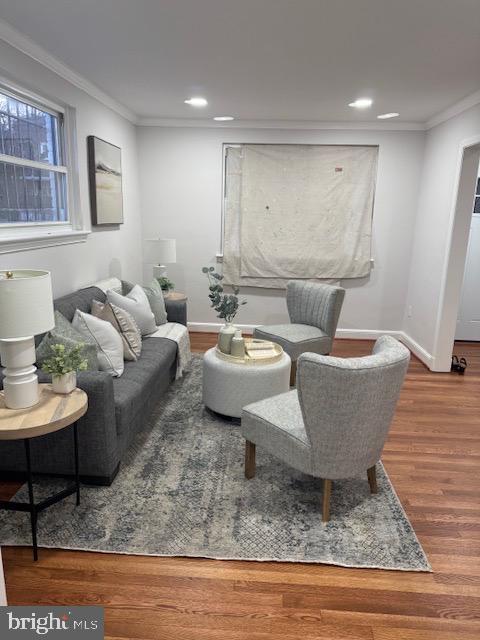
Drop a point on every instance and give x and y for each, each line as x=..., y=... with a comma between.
x=52, y=413
x=175, y=296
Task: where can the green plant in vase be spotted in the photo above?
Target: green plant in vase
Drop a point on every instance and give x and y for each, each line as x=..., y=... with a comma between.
x=63, y=365
x=225, y=304
x=166, y=285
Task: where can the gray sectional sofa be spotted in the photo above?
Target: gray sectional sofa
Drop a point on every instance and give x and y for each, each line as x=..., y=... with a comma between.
x=118, y=407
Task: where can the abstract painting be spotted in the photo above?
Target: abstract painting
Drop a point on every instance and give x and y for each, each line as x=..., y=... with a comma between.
x=105, y=176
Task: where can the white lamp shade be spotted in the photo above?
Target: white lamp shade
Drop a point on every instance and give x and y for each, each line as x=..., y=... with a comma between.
x=160, y=251
x=26, y=303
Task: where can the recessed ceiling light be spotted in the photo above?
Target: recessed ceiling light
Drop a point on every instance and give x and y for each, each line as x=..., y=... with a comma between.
x=361, y=103
x=223, y=118
x=385, y=116
x=196, y=102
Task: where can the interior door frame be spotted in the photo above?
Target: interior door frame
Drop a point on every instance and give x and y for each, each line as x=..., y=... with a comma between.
x=471, y=276
x=454, y=267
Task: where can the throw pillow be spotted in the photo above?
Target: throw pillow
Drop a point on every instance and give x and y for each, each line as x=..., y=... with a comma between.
x=155, y=297
x=137, y=305
x=64, y=333
x=109, y=342
x=122, y=322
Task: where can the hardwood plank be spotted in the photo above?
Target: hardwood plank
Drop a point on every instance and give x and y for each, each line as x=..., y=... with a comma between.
x=383, y=633
x=432, y=456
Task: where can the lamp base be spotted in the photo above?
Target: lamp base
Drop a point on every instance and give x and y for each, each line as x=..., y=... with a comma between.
x=159, y=271
x=20, y=383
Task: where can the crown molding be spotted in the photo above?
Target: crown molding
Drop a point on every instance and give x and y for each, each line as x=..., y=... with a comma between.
x=26, y=45
x=307, y=125
x=454, y=110
x=23, y=43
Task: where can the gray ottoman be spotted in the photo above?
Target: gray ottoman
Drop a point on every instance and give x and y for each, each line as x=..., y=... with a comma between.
x=228, y=387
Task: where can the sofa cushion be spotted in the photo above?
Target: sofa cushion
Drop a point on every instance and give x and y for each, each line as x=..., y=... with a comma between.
x=141, y=379
x=155, y=297
x=137, y=305
x=124, y=324
x=109, y=341
x=67, y=305
x=64, y=333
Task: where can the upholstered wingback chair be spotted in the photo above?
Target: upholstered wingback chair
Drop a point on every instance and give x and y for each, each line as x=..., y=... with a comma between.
x=334, y=425
x=314, y=310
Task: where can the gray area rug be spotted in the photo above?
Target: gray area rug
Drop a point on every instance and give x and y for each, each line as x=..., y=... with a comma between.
x=181, y=492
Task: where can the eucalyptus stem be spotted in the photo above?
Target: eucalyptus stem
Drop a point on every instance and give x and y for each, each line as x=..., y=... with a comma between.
x=225, y=304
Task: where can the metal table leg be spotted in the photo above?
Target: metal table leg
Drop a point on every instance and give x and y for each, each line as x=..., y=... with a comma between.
x=33, y=511
x=77, y=475
x=30, y=506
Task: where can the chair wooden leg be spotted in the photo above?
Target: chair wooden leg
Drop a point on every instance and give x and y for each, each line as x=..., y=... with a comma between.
x=372, y=479
x=327, y=489
x=293, y=373
x=249, y=460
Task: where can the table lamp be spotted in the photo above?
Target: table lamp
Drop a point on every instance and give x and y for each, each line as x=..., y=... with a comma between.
x=160, y=251
x=26, y=309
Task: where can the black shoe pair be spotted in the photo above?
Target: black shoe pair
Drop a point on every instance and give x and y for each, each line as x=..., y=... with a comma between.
x=458, y=365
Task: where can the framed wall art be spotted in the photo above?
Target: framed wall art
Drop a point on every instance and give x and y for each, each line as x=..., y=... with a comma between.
x=105, y=178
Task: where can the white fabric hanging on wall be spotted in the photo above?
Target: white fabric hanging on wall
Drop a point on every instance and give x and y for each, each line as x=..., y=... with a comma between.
x=298, y=212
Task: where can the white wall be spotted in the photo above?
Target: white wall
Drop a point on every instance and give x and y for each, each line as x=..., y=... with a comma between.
x=434, y=223
x=110, y=252
x=181, y=187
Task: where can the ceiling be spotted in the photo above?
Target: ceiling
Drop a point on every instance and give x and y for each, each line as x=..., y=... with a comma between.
x=296, y=60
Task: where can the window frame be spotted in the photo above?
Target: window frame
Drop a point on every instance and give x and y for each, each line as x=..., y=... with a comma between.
x=18, y=236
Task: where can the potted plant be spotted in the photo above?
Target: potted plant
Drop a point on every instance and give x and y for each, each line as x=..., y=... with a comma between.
x=166, y=285
x=226, y=305
x=63, y=365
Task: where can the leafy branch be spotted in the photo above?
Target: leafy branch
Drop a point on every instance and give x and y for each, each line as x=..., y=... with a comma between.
x=65, y=360
x=225, y=304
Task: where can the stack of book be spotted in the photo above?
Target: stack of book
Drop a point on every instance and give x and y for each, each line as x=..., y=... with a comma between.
x=260, y=349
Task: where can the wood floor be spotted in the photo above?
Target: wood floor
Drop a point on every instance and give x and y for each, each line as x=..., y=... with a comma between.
x=433, y=458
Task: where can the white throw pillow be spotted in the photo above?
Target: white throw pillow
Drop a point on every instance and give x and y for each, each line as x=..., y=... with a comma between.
x=137, y=305
x=155, y=298
x=109, y=341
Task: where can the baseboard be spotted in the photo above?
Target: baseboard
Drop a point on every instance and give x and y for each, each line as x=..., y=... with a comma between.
x=351, y=334
x=366, y=334
x=354, y=334
x=214, y=327
x=421, y=353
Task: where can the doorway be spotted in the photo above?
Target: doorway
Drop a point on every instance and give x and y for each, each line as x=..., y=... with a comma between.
x=468, y=321
x=467, y=177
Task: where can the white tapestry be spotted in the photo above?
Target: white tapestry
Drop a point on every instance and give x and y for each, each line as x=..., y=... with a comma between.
x=298, y=212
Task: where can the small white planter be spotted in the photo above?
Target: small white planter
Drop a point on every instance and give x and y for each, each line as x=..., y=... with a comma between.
x=65, y=383
x=225, y=336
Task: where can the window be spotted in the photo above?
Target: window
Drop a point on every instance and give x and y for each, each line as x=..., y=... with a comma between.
x=33, y=175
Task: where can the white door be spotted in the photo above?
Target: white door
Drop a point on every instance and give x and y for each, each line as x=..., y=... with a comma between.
x=468, y=322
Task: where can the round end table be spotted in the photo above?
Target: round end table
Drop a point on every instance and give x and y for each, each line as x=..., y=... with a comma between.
x=52, y=413
x=175, y=296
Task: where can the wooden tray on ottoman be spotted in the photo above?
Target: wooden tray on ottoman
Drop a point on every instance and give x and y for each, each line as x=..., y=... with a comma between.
x=258, y=352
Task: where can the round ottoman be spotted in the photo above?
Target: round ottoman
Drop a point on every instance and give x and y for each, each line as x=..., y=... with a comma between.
x=228, y=387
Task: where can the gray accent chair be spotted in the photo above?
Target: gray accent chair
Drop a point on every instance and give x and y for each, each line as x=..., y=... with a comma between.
x=335, y=424
x=314, y=310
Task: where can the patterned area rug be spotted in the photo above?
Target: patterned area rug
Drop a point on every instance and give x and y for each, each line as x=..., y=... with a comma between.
x=181, y=492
